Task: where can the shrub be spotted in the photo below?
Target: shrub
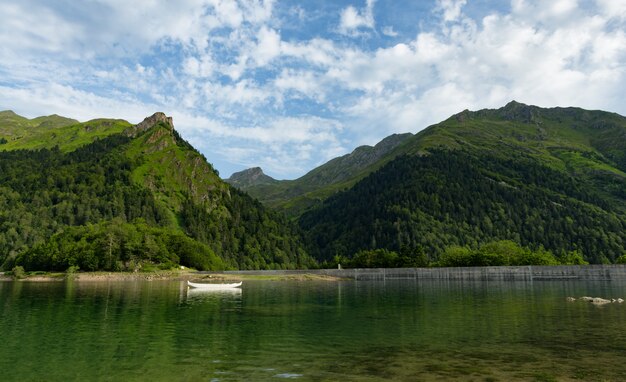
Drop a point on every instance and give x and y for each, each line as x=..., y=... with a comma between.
x=18, y=272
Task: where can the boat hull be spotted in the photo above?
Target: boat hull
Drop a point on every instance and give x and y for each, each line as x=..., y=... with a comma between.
x=213, y=286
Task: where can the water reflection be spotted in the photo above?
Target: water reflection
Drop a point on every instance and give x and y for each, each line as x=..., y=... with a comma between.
x=195, y=295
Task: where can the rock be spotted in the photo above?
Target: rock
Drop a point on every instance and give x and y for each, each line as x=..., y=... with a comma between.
x=570, y=299
x=600, y=301
x=619, y=300
x=586, y=298
x=152, y=120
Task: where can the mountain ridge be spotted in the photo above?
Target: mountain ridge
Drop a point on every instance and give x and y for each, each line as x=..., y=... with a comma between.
x=294, y=196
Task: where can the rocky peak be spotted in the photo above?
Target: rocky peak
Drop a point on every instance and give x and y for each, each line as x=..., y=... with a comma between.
x=250, y=177
x=154, y=119
x=515, y=111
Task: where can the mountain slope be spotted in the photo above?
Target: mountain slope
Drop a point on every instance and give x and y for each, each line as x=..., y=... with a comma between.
x=139, y=196
x=248, y=178
x=540, y=177
x=47, y=132
x=294, y=196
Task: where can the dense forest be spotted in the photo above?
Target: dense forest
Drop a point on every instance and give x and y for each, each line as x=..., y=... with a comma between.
x=457, y=198
x=85, y=208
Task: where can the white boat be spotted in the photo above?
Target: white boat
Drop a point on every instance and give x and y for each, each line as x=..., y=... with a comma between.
x=213, y=286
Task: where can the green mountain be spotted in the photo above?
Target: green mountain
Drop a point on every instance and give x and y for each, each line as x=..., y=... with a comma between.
x=246, y=179
x=68, y=134
x=106, y=194
x=551, y=178
x=295, y=196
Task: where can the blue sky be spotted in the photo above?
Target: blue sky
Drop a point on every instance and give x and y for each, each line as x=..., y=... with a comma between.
x=288, y=85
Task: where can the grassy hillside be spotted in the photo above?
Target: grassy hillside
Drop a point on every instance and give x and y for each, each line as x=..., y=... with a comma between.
x=47, y=132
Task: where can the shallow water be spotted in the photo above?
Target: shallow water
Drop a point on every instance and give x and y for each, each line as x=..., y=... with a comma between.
x=311, y=331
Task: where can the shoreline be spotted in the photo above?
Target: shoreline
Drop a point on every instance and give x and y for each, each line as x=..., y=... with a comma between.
x=526, y=273
x=168, y=276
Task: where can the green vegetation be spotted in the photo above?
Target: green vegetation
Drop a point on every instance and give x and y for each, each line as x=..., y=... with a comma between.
x=118, y=246
x=457, y=198
x=58, y=207
x=294, y=196
x=584, y=144
x=494, y=253
x=516, y=185
x=18, y=272
x=621, y=259
x=503, y=252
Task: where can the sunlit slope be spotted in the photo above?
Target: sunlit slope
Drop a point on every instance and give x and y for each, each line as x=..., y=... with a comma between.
x=46, y=132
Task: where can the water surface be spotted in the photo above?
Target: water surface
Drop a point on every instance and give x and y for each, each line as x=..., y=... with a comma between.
x=311, y=331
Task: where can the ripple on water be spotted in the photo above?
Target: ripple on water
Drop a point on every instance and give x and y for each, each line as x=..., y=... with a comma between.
x=288, y=375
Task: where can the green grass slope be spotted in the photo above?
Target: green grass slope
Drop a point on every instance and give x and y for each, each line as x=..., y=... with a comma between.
x=67, y=138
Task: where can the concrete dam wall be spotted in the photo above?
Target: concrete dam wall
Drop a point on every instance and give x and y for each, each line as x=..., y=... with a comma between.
x=518, y=273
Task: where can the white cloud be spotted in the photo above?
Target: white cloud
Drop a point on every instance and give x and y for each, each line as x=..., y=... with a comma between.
x=38, y=28
x=65, y=100
x=306, y=83
x=451, y=9
x=268, y=46
x=353, y=19
x=388, y=31
x=612, y=8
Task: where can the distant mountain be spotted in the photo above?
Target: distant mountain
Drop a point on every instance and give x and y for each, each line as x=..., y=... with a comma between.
x=68, y=134
x=109, y=195
x=13, y=124
x=294, y=196
x=554, y=178
x=249, y=178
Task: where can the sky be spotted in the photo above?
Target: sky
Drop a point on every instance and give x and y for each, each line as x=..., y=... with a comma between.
x=289, y=85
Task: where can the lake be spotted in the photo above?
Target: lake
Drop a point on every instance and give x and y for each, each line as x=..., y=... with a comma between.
x=311, y=331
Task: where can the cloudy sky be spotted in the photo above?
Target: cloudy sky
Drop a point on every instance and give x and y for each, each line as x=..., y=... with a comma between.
x=288, y=85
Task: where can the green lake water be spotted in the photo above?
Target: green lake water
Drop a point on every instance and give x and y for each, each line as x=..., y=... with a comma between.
x=311, y=331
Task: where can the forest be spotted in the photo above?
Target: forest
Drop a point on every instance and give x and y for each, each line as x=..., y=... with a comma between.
x=83, y=208
x=457, y=198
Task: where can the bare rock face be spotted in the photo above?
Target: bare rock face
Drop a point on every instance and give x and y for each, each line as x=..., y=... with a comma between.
x=152, y=120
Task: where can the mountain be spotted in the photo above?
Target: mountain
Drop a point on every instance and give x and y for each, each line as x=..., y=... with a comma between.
x=294, y=196
x=68, y=134
x=248, y=178
x=109, y=195
x=544, y=178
